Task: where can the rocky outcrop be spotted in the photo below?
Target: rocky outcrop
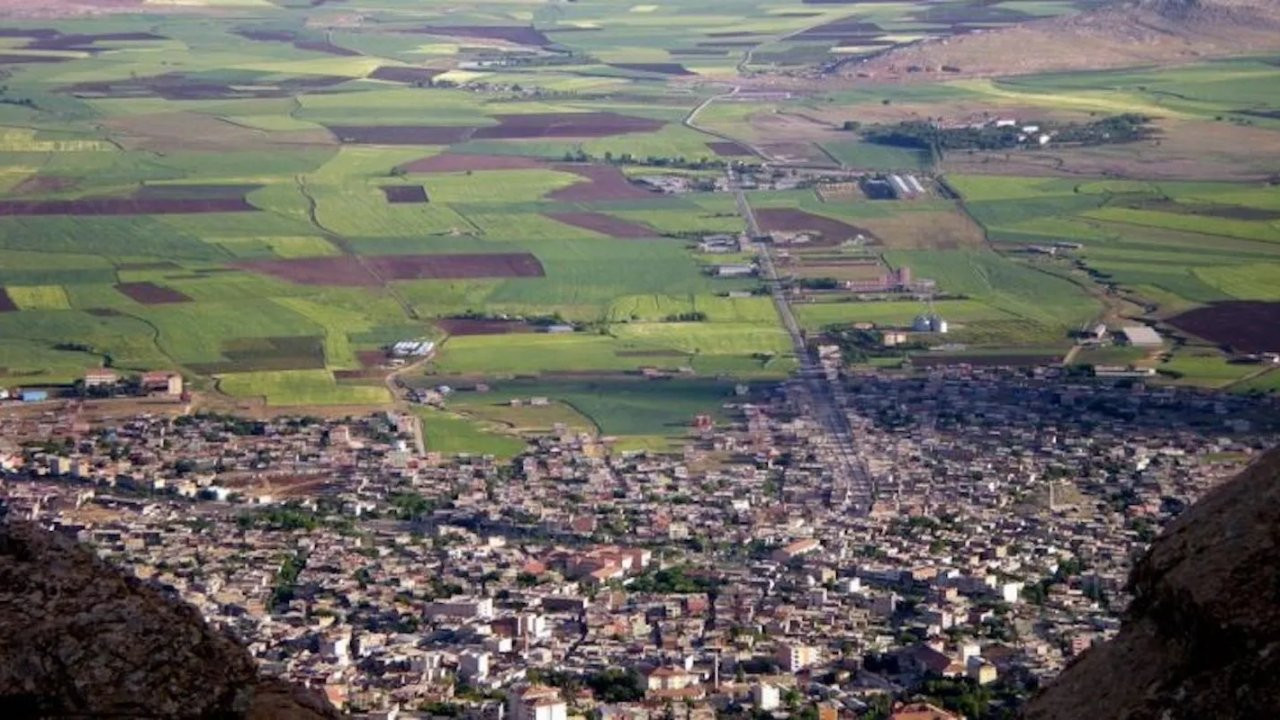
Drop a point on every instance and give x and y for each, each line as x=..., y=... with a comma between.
x=1202, y=636
x=79, y=638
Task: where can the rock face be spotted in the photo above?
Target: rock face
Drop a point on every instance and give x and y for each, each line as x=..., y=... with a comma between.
x=1202, y=637
x=78, y=638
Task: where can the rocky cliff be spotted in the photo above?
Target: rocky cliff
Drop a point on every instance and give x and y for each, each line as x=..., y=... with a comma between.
x=79, y=638
x=1202, y=636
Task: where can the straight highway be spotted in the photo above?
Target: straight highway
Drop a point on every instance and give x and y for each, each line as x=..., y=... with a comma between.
x=823, y=393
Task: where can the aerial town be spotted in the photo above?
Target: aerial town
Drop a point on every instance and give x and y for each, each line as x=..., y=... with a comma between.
x=738, y=577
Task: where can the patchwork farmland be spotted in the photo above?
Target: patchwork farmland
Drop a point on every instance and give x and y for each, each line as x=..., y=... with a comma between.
x=267, y=198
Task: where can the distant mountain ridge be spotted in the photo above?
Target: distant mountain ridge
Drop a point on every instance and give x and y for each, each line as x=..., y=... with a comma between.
x=1131, y=33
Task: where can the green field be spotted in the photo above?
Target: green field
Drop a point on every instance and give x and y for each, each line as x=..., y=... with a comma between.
x=622, y=407
x=208, y=192
x=301, y=387
x=452, y=434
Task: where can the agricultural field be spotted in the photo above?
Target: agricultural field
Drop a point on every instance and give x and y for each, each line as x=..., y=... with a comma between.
x=630, y=412
x=1200, y=256
x=264, y=195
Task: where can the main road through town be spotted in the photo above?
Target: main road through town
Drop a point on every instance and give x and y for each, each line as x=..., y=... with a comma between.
x=823, y=394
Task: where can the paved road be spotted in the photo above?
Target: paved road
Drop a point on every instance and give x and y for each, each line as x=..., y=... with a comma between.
x=826, y=397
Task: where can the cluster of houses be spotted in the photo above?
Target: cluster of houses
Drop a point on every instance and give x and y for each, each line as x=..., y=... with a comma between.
x=727, y=576
x=892, y=281
x=105, y=382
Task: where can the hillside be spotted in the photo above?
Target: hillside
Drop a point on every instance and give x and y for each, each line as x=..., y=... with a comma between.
x=1202, y=637
x=1129, y=34
x=78, y=638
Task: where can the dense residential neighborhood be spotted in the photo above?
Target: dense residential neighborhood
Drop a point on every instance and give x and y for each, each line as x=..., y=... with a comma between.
x=732, y=578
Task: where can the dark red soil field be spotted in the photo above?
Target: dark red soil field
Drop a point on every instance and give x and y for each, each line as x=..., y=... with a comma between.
x=472, y=326
x=398, y=194
x=457, y=162
x=6, y=302
x=49, y=39
x=566, y=125
x=371, y=358
x=374, y=271
x=126, y=206
x=458, y=266
x=279, y=36
x=518, y=34
x=728, y=149
x=603, y=182
x=304, y=352
x=787, y=220
x=509, y=127
x=984, y=360
x=151, y=294
x=326, y=47
x=400, y=134
x=605, y=224
x=288, y=36
x=659, y=68
x=409, y=75
x=1244, y=326
x=177, y=86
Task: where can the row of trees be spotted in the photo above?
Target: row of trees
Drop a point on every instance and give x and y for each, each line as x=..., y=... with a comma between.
x=925, y=135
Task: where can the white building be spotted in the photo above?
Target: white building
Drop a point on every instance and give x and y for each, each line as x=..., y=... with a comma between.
x=474, y=665
x=1141, y=336
x=536, y=702
x=794, y=657
x=461, y=609
x=766, y=697
x=533, y=626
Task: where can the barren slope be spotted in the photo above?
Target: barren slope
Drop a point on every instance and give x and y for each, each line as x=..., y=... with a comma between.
x=1130, y=34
